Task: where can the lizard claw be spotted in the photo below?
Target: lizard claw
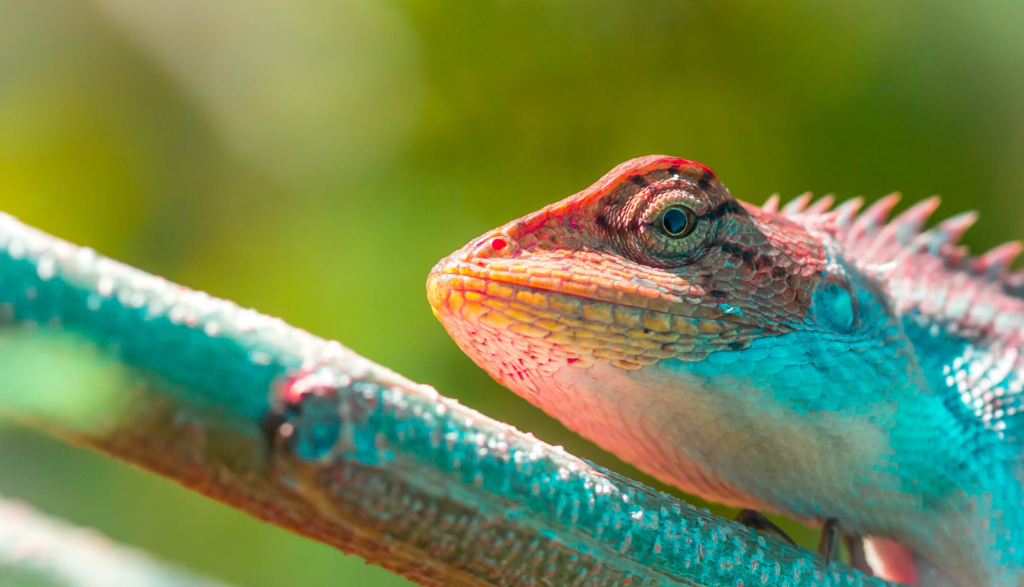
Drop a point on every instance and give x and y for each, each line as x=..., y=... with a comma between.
x=829, y=540
x=828, y=547
x=758, y=521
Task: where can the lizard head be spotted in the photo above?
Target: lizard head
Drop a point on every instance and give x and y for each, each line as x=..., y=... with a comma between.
x=656, y=261
x=710, y=342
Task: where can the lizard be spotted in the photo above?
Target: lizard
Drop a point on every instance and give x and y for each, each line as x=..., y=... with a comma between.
x=821, y=362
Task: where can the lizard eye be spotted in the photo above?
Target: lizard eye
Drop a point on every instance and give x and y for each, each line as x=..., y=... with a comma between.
x=670, y=230
x=677, y=221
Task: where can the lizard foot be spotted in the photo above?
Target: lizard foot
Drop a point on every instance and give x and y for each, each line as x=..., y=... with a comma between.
x=758, y=521
x=829, y=544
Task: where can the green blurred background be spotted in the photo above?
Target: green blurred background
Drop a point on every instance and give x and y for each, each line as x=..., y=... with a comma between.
x=313, y=159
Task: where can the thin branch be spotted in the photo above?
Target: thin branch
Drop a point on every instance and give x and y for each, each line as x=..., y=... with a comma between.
x=36, y=546
x=306, y=434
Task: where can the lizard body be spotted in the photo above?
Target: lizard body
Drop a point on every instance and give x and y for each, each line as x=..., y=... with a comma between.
x=818, y=363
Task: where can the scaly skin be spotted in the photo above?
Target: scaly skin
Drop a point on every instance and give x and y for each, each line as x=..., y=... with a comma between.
x=821, y=364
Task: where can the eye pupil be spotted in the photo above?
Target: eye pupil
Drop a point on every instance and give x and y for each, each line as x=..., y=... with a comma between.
x=675, y=222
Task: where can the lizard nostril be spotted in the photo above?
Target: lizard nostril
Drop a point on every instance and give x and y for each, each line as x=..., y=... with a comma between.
x=495, y=246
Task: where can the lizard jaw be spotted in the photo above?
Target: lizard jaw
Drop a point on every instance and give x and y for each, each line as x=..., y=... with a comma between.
x=498, y=335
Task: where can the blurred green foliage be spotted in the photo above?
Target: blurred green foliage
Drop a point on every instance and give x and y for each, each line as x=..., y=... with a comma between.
x=313, y=159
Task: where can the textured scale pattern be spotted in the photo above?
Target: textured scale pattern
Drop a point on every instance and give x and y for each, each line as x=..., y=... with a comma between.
x=820, y=362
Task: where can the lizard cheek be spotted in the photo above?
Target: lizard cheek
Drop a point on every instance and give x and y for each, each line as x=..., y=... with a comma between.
x=832, y=307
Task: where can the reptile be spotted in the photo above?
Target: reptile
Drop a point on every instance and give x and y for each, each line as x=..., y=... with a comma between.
x=825, y=363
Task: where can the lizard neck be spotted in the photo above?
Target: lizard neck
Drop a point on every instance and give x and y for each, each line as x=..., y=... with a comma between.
x=863, y=437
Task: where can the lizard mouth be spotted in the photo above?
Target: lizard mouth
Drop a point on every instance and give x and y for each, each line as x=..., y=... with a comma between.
x=599, y=323
x=596, y=294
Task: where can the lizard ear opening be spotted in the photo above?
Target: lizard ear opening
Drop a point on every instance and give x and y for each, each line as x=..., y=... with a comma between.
x=833, y=307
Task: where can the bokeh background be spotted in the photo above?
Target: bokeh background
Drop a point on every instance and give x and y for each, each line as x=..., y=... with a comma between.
x=313, y=159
